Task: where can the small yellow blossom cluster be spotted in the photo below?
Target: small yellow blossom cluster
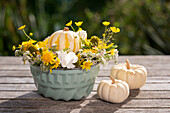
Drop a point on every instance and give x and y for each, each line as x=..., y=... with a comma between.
x=87, y=65
x=105, y=23
x=78, y=24
x=114, y=29
x=32, y=51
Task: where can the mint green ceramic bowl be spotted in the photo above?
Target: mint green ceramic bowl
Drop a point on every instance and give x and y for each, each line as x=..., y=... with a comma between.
x=65, y=84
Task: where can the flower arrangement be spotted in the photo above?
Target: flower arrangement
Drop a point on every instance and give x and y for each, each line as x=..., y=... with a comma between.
x=49, y=54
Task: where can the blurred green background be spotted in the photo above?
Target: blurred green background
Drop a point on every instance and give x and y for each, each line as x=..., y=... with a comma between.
x=144, y=24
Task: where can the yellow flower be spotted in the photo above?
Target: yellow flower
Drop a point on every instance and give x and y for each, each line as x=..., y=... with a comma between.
x=86, y=50
x=118, y=30
x=19, y=46
x=93, y=51
x=48, y=57
x=42, y=44
x=79, y=23
x=95, y=40
x=87, y=65
x=110, y=45
x=115, y=30
x=101, y=44
x=112, y=52
x=80, y=29
x=22, y=27
x=44, y=49
x=38, y=53
x=32, y=41
x=13, y=47
x=28, y=42
x=104, y=35
x=56, y=63
x=79, y=56
x=87, y=42
x=81, y=61
x=32, y=48
x=69, y=23
x=31, y=34
x=106, y=23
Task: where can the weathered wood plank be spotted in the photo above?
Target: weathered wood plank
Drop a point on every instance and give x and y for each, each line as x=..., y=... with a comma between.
x=29, y=80
x=15, y=73
x=146, y=59
x=151, y=72
x=98, y=104
x=152, y=87
x=148, y=66
x=30, y=87
x=14, y=67
x=36, y=110
x=85, y=110
x=153, y=79
x=16, y=80
x=125, y=110
x=17, y=87
x=33, y=95
x=156, y=110
x=102, y=73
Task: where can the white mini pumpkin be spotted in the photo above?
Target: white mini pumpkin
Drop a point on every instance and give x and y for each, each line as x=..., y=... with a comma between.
x=115, y=91
x=134, y=75
x=64, y=39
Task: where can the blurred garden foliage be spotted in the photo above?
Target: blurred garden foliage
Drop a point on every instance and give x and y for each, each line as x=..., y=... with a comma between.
x=144, y=24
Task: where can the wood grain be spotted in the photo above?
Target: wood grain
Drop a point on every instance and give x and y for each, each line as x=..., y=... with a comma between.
x=129, y=103
x=34, y=95
x=29, y=80
x=18, y=92
x=30, y=87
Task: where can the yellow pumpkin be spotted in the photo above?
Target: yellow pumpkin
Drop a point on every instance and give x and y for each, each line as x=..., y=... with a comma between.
x=115, y=91
x=134, y=75
x=64, y=39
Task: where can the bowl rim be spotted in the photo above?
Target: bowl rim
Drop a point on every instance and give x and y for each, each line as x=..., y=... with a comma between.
x=66, y=68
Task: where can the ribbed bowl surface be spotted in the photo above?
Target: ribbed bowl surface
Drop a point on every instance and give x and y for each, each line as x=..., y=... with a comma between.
x=65, y=84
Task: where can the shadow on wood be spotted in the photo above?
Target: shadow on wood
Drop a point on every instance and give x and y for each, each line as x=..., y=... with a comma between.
x=35, y=103
x=100, y=106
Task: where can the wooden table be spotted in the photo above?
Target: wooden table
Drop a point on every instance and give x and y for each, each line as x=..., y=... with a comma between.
x=18, y=93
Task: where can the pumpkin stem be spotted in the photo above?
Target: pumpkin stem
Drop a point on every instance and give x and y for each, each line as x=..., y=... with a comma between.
x=113, y=80
x=66, y=29
x=127, y=64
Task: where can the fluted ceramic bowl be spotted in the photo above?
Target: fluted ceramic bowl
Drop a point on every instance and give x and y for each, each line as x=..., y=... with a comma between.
x=65, y=84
